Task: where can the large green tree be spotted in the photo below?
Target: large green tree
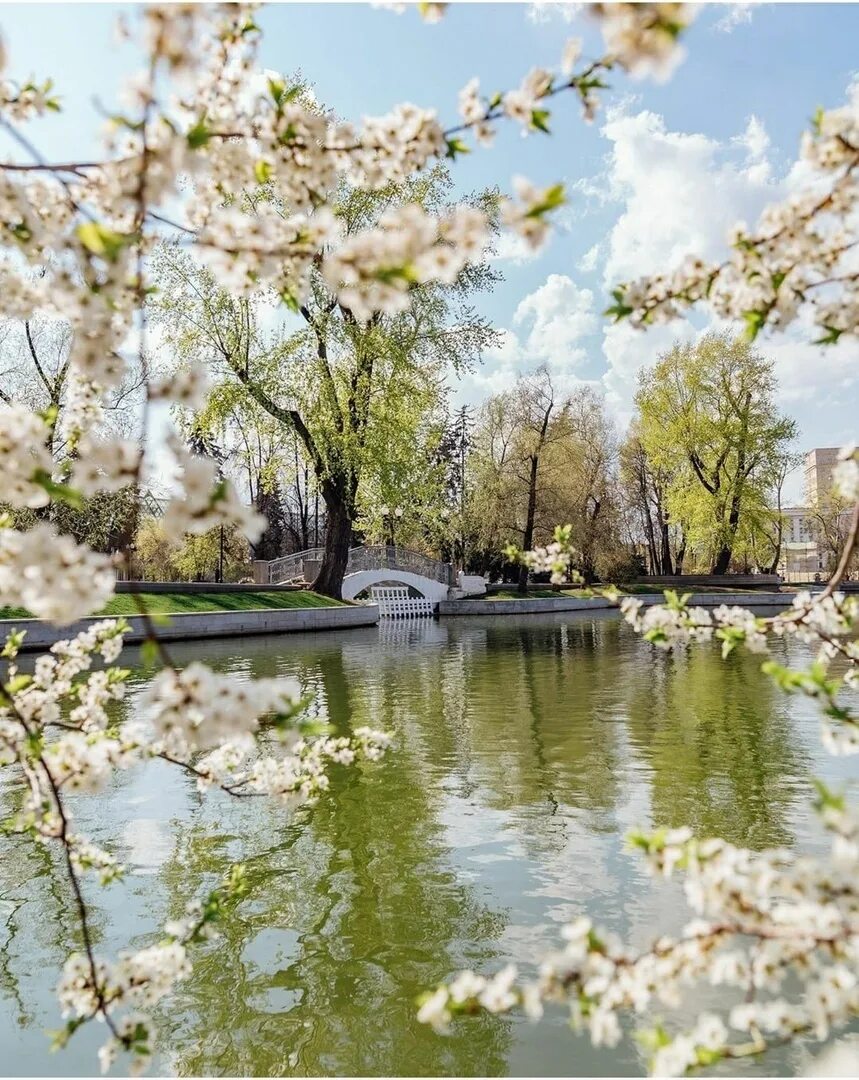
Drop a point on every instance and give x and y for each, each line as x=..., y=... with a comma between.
x=541, y=457
x=356, y=394
x=708, y=417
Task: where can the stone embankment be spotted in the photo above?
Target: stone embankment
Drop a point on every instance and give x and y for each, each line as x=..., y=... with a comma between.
x=209, y=624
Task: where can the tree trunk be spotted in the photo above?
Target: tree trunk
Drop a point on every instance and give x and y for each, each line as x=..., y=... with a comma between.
x=338, y=537
x=681, y=555
x=666, y=550
x=722, y=560
x=528, y=532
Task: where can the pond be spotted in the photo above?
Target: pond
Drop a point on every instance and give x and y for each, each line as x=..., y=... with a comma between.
x=526, y=748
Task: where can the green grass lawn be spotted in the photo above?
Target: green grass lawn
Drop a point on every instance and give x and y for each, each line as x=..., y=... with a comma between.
x=178, y=602
x=626, y=590
x=537, y=594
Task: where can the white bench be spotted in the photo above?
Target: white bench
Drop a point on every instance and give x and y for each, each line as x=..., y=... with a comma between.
x=395, y=603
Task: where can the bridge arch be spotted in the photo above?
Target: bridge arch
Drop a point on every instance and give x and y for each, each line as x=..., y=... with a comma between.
x=363, y=579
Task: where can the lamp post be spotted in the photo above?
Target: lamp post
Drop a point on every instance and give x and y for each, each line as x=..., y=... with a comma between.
x=389, y=518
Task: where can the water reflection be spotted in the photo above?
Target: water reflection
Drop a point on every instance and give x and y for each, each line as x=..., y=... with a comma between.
x=525, y=750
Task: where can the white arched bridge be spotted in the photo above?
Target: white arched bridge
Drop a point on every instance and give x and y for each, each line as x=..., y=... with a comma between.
x=369, y=567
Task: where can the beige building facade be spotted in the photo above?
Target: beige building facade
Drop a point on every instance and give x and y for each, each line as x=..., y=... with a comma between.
x=819, y=464
x=803, y=553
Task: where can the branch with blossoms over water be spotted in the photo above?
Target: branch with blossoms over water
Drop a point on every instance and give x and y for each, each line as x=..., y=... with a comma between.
x=800, y=258
x=55, y=726
x=215, y=154
x=761, y=919
x=244, y=179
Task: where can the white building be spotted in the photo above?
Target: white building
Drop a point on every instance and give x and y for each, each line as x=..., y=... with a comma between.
x=800, y=558
x=819, y=464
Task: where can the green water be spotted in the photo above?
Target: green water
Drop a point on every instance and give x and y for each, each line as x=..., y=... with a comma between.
x=525, y=750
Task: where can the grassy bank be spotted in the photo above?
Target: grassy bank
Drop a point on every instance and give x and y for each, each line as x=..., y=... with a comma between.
x=178, y=602
x=626, y=590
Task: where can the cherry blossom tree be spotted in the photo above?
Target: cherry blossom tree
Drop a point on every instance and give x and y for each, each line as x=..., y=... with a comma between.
x=204, y=129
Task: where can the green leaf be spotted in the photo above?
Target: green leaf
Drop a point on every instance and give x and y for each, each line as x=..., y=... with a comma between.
x=262, y=172
x=149, y=653
x=456, y=146
x=18, y=683
x=830, y=337
x=99, y=240
x=290, y=299
x=619, y=311
x=50, y=415
x=59, y=492
x=198, y=135
x=14, y=641
x=553, y=197
x=277, y=88
x=540, y=120
x=754, y=321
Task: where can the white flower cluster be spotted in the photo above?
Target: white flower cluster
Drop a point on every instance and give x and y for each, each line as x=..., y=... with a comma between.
x=845, y=475
x=474, y=112
x=529, y=217
x=186, y=386
x=83, y=410
x=105, y=465
x=374, y=270
x=79, y=760
x=207, y=501
x=521, y=104
x=554, y=559
x=24, y=457
x=642, y=38
x=51, y=575
x=392, y=147
x=55, y=725
x=139, y=979
x=246, y=251
x=196, y=708
x=798, y=913
x=799, y=257
x=298, y=776
x=666, y=626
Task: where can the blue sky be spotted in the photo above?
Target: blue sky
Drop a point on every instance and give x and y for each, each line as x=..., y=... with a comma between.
x=664, y=169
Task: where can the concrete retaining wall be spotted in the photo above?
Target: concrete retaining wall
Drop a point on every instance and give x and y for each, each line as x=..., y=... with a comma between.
x=521, y=607
x=571, y=603
x=719, y=581
x=764, y=599
x=199, y=587
x=209, y=624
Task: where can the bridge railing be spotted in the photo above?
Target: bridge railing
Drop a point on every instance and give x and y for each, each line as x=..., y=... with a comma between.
x=285, y=569
x=383, y=556
x=371, y=557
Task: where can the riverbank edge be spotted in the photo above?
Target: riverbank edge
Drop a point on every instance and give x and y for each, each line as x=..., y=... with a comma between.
x=189, y=626
x=571, y=603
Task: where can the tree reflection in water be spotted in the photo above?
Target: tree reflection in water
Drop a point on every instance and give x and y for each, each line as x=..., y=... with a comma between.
x=524, y=751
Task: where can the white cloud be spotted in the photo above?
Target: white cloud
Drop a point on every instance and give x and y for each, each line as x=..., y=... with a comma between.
x=550, y=324
x=513, y=248
x=627, y=352
x=679, y=193
x=543, y=11
x=588, y=262
x=735, y=15
x=559, y=314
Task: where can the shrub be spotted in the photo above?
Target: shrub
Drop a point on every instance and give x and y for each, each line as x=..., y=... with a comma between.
x=618, y=567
